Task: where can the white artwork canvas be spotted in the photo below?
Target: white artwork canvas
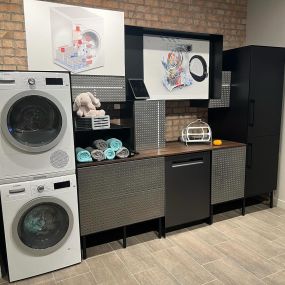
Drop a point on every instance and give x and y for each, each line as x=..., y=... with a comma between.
x=77, y=39
x=176, y=68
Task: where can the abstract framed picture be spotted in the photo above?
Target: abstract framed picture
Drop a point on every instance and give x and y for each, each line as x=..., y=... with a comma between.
x=78, y=39
x=176, y=68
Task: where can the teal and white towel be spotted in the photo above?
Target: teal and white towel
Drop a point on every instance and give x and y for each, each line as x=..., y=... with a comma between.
x=83, y=155
x=123, y=152
x=114, y=144
x=109, y=154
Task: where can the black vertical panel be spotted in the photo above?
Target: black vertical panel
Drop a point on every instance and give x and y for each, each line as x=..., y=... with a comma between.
x=266, y=91
x=231, y=123
x=261, y=165
x=133, y=55
x=215, y=70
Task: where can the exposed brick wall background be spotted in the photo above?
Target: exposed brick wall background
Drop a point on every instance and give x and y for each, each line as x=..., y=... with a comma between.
x=227, y=17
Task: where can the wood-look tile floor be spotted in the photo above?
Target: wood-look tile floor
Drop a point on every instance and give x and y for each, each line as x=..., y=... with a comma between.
x=238, y=250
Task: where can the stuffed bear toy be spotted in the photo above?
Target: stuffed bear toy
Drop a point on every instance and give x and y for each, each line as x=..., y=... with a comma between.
x=85, y=105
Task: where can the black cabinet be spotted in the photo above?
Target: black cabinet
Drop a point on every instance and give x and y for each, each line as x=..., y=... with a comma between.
x=254, y=116
x=187, y=188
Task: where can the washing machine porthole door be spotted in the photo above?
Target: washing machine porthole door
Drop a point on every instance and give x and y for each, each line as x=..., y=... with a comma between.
x=33, y=121
x=42, y=225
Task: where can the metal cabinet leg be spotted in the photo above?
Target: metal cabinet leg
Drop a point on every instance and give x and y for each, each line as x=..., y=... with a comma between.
x=211, y=218
x=243, y=207
x=124, y=236
x=271, y=199
x=159, y=228
x=83, y=246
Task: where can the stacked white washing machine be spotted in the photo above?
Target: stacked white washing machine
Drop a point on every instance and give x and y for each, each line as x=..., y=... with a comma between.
x=37, y=173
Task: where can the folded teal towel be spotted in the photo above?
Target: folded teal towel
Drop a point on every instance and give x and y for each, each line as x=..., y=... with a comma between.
x=83, y=155
x=114, y=144
x=109, y=153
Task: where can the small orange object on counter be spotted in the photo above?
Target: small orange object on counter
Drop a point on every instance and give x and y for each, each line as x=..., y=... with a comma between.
x=217, y=142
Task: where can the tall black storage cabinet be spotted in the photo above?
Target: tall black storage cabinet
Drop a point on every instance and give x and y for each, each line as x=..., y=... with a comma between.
x=255, y=111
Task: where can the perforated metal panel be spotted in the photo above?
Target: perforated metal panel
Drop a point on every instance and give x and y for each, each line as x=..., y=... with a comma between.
x=224, y=101
x=108, y=88
x=119, y=194
x=149, y=124
x=228, y=174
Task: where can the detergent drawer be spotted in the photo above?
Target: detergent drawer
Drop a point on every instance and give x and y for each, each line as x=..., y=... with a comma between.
x=187, y=188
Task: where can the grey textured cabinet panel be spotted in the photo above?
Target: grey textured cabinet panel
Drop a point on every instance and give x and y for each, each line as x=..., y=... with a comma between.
x=119, y=194
x=228, y=174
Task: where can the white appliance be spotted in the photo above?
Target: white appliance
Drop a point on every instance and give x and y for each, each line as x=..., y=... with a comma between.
x=36, y=132
x=77, y=38
x=41, y=225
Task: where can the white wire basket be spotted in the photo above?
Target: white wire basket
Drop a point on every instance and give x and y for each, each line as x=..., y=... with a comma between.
x=197, y=132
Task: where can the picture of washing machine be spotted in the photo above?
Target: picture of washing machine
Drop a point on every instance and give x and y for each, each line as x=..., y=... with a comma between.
x=77, y=38
x=36, y=133
x=41, y=226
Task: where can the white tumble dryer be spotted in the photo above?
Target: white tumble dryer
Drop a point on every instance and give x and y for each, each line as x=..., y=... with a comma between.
x=41, y=225
x=36, y=133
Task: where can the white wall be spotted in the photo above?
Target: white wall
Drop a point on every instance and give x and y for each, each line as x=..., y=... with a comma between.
x=266, y=26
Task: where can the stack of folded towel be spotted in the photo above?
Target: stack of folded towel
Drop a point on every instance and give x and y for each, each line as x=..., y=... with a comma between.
x=102, y=150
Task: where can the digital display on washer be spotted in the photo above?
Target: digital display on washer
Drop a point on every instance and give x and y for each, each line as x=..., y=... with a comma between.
x=54, y=81
x=60, y=185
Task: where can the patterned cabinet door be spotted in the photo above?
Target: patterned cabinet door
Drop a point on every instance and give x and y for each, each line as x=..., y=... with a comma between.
x=228, y=174
x=118, y=194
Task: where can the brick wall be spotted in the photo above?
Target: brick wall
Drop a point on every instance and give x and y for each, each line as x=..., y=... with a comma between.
x=227, y=17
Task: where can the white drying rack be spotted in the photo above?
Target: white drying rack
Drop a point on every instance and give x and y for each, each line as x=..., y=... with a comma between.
x=197, y=131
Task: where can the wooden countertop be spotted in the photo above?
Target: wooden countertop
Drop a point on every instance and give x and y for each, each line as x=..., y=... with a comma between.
x=170, y=149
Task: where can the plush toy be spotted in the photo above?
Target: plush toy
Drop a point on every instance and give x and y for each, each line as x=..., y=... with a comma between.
x=85, y=105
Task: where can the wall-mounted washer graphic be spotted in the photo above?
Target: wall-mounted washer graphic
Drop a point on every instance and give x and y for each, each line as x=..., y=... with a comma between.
x=36, y=134
x=77, y=38
x=41, y=226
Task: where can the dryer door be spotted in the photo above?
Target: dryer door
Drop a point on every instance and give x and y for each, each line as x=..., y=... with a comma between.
x=33, y=121
x=42, y=226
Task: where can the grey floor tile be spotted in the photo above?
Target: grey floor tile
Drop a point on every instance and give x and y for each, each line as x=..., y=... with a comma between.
x=200, y=250
x=268, y=218
x=215, y=282
x=277, y=211
x=182, y=266
x=83, y=279
x=223, y=224
x=153, y=243
x=267, y=231
x=155, y=276
x=248, y=259
x=71, y=271
x=256, y=242
x=136, y=258
x=109, y=269
x=280, y=259
x=275, y=279
x=280, y=241
x=210, y=235
x=231, y=273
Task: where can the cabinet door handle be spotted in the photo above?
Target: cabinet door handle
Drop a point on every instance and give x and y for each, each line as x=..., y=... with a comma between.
x=251, y=112
x=249, y=155
x=188, y=163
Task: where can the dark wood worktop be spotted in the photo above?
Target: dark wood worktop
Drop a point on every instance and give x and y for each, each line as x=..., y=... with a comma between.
x=170, y=149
